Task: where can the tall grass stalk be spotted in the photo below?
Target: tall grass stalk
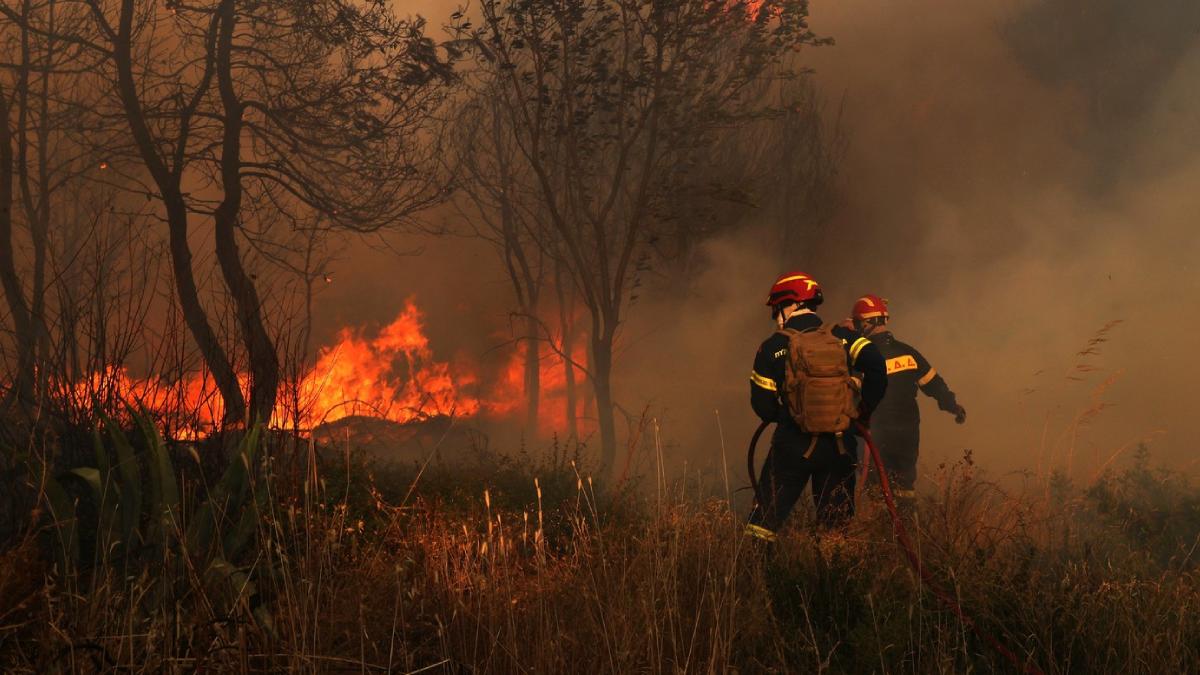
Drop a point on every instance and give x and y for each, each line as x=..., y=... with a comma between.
x=534, y=568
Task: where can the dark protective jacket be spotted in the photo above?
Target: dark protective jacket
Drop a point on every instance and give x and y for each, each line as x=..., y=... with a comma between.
x=907, y=371
x=768, y=379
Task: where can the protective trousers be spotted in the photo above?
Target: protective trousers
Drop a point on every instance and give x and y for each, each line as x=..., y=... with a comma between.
x=898, y=448
x=786, y=472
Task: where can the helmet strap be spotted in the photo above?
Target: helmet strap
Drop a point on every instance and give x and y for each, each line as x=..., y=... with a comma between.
x=780, y=313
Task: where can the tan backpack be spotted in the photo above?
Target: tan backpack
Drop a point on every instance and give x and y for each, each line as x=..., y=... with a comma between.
x=821, y=394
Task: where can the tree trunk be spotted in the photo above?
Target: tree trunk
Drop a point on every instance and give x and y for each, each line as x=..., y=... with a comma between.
x=565, y=317
x=260, y=348
x=601, y=366
x=23, y=378
x=167, y=182
x=37, y=203
x=195, y=317
x=532, y=371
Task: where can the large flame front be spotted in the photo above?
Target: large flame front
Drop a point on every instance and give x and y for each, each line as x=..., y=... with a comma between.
x=390, y=374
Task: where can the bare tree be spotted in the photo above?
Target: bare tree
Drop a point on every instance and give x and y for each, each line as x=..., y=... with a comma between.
x=795, y=157
x=312, y=107
x=14, y=291
x=603, y=101
x=43, y=91
x=500, y=206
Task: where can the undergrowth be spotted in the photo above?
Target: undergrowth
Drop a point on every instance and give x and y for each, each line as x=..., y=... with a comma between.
x=528, y=565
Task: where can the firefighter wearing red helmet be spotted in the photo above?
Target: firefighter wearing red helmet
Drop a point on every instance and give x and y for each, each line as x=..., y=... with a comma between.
x=896, y=424
x=799, y=454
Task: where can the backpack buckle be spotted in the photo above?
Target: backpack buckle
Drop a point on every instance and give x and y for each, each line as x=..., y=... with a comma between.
x=841, y=444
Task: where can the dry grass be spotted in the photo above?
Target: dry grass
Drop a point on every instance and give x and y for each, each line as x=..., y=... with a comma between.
x=561, y=578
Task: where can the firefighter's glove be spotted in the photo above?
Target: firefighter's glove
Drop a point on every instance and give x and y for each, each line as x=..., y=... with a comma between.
x=960, y=414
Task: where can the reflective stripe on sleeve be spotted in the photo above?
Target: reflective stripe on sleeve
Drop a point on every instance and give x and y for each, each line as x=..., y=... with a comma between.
x=928, y=378
x=760, y=532
x=764, y=382
x=858, y=347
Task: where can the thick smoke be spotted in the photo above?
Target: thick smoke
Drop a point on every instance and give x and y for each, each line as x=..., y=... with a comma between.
x=1018, y=175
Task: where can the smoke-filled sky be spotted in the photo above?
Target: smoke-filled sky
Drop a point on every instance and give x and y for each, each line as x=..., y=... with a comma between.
x=1025, y=174
x=1018, y=174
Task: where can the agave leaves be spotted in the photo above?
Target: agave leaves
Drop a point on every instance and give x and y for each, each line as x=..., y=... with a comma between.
x=127, y=519
x=141, y=524
x=225, y=504
x=128, y=504
x=164, y=492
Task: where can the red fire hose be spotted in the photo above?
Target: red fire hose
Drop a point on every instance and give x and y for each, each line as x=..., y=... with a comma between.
x=910, y=553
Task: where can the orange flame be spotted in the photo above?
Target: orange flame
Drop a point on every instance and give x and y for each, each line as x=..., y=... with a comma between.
x=754, y=10
x=508, y=397
x=392, y=375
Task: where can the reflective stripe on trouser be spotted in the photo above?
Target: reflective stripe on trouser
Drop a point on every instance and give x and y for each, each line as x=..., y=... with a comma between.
x=760, y=532
x=787, y=472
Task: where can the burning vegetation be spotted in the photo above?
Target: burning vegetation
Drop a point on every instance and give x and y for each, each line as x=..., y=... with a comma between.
x=389, y=373
x=496, y=450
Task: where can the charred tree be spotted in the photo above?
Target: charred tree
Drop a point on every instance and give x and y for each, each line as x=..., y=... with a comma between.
x=168, y=181
x=261, y=354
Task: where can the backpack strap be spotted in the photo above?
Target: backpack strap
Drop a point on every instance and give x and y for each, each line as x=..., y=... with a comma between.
x=788, y=332
x=838, y=437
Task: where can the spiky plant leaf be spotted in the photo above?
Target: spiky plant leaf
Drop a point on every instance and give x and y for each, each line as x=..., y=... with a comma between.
x=234, y=586
x=131, y=482
x=163, y=506
x=241, y=534
x=107, y=496
x=66, y=531
x=224, y=498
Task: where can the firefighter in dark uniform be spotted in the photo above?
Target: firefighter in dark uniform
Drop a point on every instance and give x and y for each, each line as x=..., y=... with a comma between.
x=896, y=425
x=796, y=457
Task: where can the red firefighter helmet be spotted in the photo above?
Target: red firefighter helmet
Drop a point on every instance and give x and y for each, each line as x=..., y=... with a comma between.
x=795, y=287
x=870, y=307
